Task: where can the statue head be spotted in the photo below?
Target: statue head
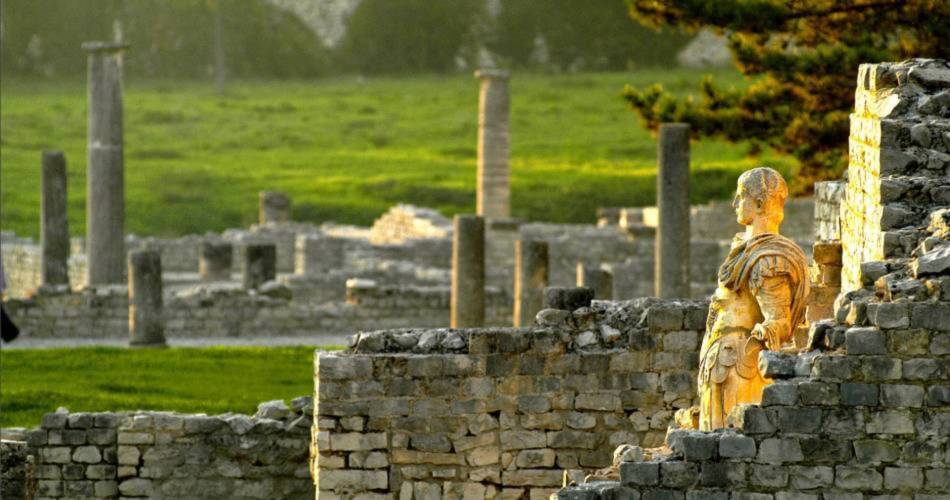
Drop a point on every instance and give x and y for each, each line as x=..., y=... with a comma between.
x=760, y=193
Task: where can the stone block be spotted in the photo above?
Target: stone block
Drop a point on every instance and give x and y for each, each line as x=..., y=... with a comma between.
x=533, y=404
x=343, y=367
x=699, y=446
x=678, y=474
x=898, y=395
x=579, y=420
x=598, y=401
x=87, y=455
x=811, y=477
x=519, y=440
x=875, y=451
x=755, y=420
x=663, y=318
x=79, y=421
x=777, y=365
x=780, y=393
x=54, y=420
x=640, y=473
x=56, y=455
x=355, y=441
x=921, y=369
x=938, y=395
x=681, y=341
x=857, y=478
x=818, y=393
x=833, y=367
x=889, y=315
x=136, y=487
x=931, y=315
x=768, y=476
x=736, y=446
x=797, y=420
x=572, y=439
x=435, y=443
x=353, y=480
x=780, y=450
x=865, y=340
x=880, y=368
x=533, y=459
x=532, y=477
x=908, y=479
x=857, y=394
x=890, y=422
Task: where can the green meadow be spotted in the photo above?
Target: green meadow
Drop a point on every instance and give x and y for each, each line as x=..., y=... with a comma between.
x=348, y=148
x=194, y=380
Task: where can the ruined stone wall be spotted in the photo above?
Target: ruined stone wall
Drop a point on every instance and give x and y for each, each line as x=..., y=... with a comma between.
x=171, y=455
x=21, y=265
x=828, y=197
x=866, y=412
x=232, y=312
x=479, y=413
x=898, y=166
x=405, y=222
x=17, y=470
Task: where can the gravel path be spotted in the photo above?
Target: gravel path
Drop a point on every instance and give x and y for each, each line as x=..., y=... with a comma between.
x=28, y=343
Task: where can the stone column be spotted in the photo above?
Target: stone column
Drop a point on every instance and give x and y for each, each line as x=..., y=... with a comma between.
x=672, y=202
x=54, y=225
x=531, y=276
x=598, y=280
x=468, y=272
x=260, y=264
x=318, y=254
x=274, y=207
x=493, y=195
x=105, y=183
x=214, y=260
x=146, y=326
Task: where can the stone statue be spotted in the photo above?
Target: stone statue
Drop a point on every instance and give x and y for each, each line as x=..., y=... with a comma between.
x=763, y=288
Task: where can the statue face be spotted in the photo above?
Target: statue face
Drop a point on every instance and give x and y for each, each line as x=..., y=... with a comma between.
x=746, y=207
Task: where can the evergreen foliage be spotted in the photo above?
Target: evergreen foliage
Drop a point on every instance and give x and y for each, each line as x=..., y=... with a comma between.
x=169, y=38
x=804, y=55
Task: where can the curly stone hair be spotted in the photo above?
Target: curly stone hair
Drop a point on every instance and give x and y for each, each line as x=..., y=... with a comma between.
x=768, y=188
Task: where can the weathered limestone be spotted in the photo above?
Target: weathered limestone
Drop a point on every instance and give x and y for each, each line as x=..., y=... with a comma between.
x=215, y=259
x=531, y=276
x=146, y=326
x=260, y=264
x=105, y=180
x=598, y=280
x=54, y=225
x=493, y=195
x=672, y=201
x=318, y=254
x=274, y=207
x=467, y=307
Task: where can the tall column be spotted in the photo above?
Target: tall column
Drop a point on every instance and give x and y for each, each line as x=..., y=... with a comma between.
x=493, y=195
x=274, y=207
x=531, y=276
x=318, y=254
x=54, y=226
x=105, y=183
x=598, y=280
x=214, y=260
x=467, y=307
x=672, y=202
x=146, y=326
x=260, y=264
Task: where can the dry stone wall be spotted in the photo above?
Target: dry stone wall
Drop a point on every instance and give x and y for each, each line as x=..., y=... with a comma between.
x=500, y=413
x=865, y=412
x=169, y=455
x=828, y=197
x=899, y=151
x=231, y=312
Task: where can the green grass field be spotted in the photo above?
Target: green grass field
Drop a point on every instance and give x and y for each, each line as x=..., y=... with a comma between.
x=346, y=149
x=195, y=380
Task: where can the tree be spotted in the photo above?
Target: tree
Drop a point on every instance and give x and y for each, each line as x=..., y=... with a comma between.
x=803, y=56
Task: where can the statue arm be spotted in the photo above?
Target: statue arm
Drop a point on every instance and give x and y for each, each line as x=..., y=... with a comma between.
x=771, y=287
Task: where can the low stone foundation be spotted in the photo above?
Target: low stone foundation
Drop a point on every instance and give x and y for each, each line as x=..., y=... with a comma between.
x=475, y=413
x=166, y=455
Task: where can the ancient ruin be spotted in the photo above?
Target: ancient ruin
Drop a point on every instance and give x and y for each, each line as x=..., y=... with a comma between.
x=586, y=399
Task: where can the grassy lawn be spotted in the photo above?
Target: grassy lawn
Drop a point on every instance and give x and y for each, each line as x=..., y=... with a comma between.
x=195, y=380
x=346, y=149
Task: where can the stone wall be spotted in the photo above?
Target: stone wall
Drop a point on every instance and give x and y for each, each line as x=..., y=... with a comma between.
x=864, y=410
x=899, y=160
x=17, y=470
x=171, y=455
x=21, y=265
x=828, y=197
x=220, y=311
x=405, y=222
x=479, y=413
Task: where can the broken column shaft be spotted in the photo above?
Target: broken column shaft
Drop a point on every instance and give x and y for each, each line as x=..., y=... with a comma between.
x=54, y=225
x=467, y=303
x=672, y=201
